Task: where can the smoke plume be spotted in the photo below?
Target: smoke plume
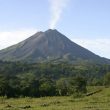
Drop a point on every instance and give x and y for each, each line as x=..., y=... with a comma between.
x=57, y=7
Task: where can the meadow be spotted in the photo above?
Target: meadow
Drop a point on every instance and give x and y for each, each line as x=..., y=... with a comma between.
x=97, y=101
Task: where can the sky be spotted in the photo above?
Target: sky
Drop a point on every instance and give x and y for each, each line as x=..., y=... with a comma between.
x=86, y=22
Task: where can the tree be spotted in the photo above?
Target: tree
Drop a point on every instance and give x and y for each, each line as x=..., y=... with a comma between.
x=107, y=79
x=62, y=86
x=29, y=85
x=13, y=86
x=3, y=85
x=97, y=82
x=47, y=87
x=78, y=85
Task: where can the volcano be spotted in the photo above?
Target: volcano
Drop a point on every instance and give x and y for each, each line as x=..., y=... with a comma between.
x=50, y=45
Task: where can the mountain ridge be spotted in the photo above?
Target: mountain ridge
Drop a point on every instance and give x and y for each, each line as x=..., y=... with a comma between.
x=48, y=45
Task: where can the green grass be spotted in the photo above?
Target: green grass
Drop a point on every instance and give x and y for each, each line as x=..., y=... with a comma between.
x=98, y=101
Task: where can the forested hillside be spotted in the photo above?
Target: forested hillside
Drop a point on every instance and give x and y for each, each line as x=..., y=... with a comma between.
x=47, y=79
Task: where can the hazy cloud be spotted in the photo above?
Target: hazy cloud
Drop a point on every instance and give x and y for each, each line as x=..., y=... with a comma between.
x=100, y=46
x=8, y=38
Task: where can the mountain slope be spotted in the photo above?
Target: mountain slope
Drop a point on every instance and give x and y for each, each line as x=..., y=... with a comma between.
x=48, y=45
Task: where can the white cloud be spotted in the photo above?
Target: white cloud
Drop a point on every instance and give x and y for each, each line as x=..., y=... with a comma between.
x=100, y=46
x=57, y=7
x=8, y=38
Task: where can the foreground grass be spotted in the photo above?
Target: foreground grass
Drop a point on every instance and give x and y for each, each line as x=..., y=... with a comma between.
x=98, y=101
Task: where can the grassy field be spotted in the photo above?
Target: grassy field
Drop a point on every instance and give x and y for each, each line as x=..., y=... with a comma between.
x=98, y=101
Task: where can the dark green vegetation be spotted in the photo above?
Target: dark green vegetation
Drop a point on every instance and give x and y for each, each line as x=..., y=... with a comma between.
x=49, y=46
x=46, y=79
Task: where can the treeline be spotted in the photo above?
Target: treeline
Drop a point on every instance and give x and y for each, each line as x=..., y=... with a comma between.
x=46, y=79
x=29, y=85
x=55, y=71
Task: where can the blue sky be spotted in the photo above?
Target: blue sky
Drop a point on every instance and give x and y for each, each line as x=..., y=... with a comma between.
x=87, y=22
